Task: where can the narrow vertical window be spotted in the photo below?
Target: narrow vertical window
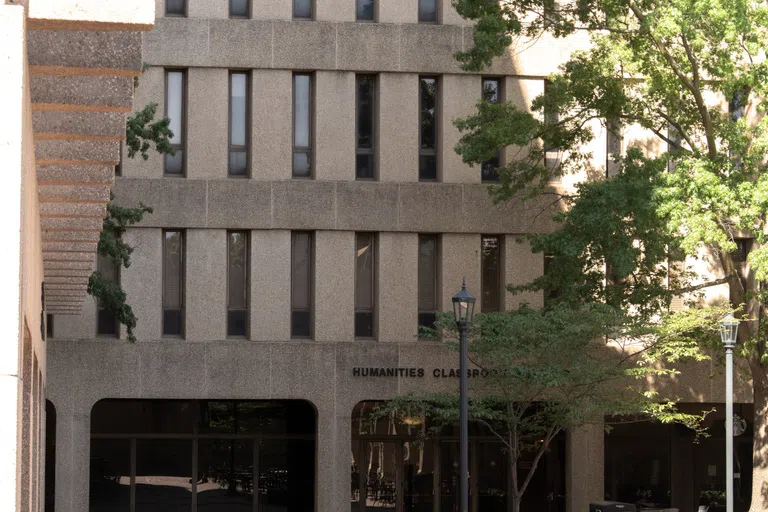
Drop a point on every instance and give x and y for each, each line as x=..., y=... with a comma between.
x=173, y=283
x=119, y=166
x=428, y=280
x=302, y=9
x=365, y=288
x=301, y=285
x=551, y=153
x=239, y=8
x=302, y=125
x=366, y=10
x=106, y=321
x=428, y=128
x=366, y=127
x=237, y=283
x=427, y=11
x=491, y=273
x=491, y=94
x=551, y=293
x=238, y=123
x=175, y=7
x=175, y=110
x=49, y=325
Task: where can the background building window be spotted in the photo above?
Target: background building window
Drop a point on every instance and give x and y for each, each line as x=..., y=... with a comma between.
x=175, y=7
x=551, y=153
x=365, y=285
x=428, y=90
x=301, y=285
x=119, y=166
x=302, y=125
x=427, y=11
x=238, y=123
x=366, y=127
x=175, y=109
x=49, y=325
x=428, y=280
x=491, y=274
x=239, y=8
x=237, y=283
x=366, y=10
x=491, y=94
x=173, y=283
x=302, y=9
x=106, y=321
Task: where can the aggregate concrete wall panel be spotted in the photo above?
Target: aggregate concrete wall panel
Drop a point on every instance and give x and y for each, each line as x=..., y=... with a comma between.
x=151, y=89
x=397, y=298
x=271, y=124
x=354, y=389
x=431, y=356
x=460, y=94
x=240, y=43
x=272, y=10
x=449, y=16
x=304, y=45
x=334, y=285
x=207, y=9
x=398, y=11
x=142, y=281
x=337, y=10
x=114, y=92
x=318, y=363
x=74, y=123
x=460, y=259
x=398, y=127
x=317, y=200
x=239, y=204
x=367, y=206
x=207, y=123
x=78, y=327
x=429, y=48
x=369, y=46
x=111, y=49
x=584, y=466
x=430, y=207
x=234, y=366
x=521, y=267
x=176, y=202
x=181, y=42
x=335, y=126
x=270, y=296
x=205, y=287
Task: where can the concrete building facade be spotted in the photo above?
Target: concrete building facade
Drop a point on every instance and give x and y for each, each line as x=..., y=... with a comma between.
x=304, y=145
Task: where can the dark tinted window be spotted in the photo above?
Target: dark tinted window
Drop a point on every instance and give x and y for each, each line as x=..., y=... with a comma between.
x=163, y=474
x=239, y=8
x=302, y=125
x=491, y=274
x=428, y=128
x=110, y=475
x=302, y=9
x=176, y=7
x=365, y=289
x=301, y=285
x=491, y=94
x=366, y=127
x=366, y=10
x=106, y=321
x=427, y=11
x=49, y=325
x=237, y=283
x=238, y=124
x=428, y=280
x=173, y=282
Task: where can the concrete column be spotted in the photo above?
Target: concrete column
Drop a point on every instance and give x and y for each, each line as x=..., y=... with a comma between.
x=271, y=124
x=73, y=448
x=398, y=11
x=682, y=471
x=270, y=290
x=334, y=124
x=334, y=285
x=78, y=327
x=151, y=89
x=143, y=281
x=338, y=10
x=207, y=121
x=334, y=442
x=460, y=260
x=205, y=289
x=521, y=267
x=398, y=127
x=459, y=95
x=584, y=472
x=397, y=297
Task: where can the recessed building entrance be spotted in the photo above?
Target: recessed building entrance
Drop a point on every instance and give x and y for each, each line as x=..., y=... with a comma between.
x=202, y=456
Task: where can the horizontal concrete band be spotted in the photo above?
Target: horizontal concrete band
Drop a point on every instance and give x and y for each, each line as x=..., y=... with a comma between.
x=324, y=205
x=382, y=47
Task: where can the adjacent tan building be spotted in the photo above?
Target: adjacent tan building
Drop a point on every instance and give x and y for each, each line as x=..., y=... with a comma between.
x=314, y=216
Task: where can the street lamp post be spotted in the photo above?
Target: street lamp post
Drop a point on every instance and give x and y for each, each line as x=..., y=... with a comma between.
x=463, y=308
x=729, y=328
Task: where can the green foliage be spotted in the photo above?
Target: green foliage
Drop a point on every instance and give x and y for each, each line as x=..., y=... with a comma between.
x=142, y=131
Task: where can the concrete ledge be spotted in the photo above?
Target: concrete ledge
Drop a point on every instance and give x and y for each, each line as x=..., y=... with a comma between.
x=102, y=152
x=70, y=235
x=80, y=193
x=97, y=123
x=85, y=49
x=74, y=14
x=330, y=205
x=86, y=210
x=112, y=91
x=71, y=224
x=71, y=174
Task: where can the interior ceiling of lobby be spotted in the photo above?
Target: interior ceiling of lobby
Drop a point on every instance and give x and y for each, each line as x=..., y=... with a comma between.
x=82, y=57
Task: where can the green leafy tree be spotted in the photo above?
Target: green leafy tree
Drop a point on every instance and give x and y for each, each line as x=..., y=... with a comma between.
x=660, y=66
x=142, y=132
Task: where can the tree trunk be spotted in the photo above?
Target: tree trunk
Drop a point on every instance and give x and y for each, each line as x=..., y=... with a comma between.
x=516, y=503
x=760, y=439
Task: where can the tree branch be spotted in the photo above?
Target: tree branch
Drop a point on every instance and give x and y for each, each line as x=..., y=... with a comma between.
x=693, y=288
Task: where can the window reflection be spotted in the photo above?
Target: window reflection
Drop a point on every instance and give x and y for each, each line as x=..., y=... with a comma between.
x=163, y=475
x=225, y=475
x=110, y=480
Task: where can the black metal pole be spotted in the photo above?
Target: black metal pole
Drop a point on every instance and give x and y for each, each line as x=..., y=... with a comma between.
x=464, y=419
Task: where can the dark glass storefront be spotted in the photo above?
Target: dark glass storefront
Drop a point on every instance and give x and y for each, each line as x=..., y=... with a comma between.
x=393, y=468
x=202, y=456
